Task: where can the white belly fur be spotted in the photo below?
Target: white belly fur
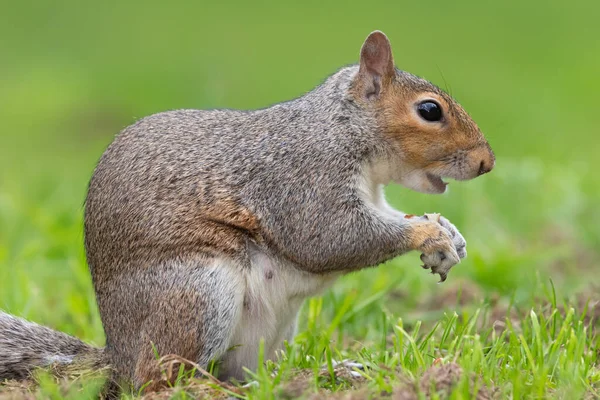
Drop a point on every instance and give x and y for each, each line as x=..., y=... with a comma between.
x=274, y=293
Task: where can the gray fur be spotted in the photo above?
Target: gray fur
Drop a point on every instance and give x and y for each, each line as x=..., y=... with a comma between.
x=294, y=165
x=25, y=346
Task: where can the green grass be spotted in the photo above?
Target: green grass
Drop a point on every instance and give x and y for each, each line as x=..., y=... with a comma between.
x=514, y=316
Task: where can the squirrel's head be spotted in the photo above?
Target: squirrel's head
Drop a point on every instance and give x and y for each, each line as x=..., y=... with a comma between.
x=431, y=135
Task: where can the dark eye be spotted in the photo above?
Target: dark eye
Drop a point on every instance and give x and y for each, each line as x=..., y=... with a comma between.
x=430, y=111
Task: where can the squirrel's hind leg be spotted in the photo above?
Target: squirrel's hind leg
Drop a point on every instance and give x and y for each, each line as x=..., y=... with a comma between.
x=190, y=310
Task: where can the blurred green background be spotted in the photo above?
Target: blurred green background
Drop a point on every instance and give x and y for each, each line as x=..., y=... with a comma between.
x=73, y=74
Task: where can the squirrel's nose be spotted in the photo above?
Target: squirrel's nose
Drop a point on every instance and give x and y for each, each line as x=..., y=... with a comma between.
x=481, y=160
x=485, y=167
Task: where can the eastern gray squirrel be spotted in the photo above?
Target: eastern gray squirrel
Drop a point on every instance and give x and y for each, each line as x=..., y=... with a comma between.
x=206, y=230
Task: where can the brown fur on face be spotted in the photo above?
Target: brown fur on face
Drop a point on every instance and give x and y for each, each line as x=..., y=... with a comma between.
x=423, y=143
x=424, y=150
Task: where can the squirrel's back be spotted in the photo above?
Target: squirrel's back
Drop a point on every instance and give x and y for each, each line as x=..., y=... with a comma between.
x=182, y=179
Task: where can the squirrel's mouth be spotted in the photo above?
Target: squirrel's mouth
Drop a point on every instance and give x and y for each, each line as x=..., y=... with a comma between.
x=437, y=182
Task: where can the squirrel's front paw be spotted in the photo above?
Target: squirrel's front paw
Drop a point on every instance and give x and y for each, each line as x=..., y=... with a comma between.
x=437, y=243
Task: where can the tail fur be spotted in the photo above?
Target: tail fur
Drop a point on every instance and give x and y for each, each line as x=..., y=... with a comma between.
x=26, y=346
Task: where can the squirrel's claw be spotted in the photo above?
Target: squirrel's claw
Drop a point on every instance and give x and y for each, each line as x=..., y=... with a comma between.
x=443, y=277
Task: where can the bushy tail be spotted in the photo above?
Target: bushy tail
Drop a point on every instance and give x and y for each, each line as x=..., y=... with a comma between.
x=25, y=346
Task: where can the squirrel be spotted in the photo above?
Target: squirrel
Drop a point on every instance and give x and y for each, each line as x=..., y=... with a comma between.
x=206, y=230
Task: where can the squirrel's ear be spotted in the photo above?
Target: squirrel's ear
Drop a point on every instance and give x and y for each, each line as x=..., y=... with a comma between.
x=376, y=64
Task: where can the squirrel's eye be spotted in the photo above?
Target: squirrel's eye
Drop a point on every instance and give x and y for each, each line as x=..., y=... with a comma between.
x=430, y=111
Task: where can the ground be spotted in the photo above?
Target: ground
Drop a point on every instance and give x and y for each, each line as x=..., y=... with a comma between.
x=516, y=319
